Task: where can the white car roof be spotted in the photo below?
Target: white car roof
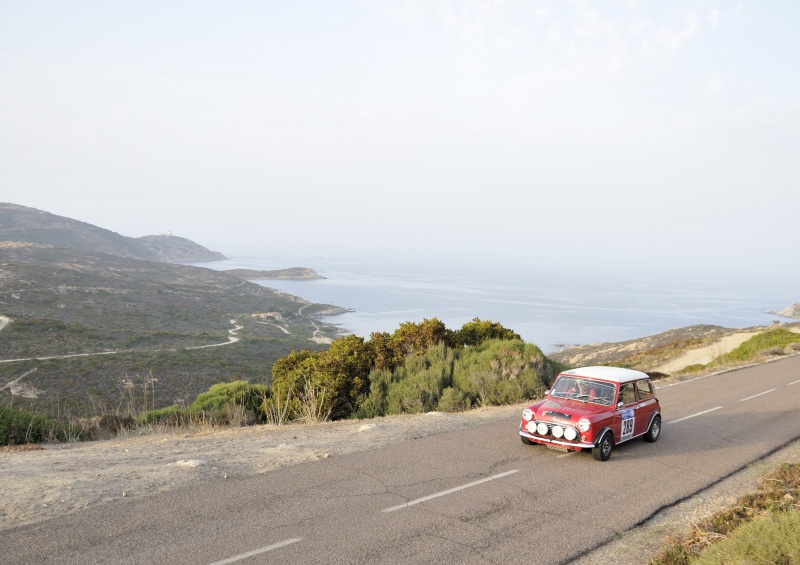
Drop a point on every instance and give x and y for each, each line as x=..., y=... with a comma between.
x=615, y=374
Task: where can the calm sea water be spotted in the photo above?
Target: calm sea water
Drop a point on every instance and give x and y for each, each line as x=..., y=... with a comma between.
x=550, y=309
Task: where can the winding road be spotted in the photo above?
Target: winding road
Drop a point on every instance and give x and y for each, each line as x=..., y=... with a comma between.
x=471, y=496
x=232, y=338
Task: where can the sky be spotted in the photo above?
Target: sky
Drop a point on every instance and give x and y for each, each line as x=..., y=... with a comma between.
x=630, y=135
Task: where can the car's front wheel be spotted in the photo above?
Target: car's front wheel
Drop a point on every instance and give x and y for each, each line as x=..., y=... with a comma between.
x=654, y=431
x=602, y=449
x=525, y=440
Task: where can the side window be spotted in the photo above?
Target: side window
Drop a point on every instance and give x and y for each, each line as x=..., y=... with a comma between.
x=627, y=394
x=645, y=389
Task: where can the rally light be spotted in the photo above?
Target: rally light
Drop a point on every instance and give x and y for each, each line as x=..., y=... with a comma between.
x=541, y=428
x=558, y=431
x=570, y=434
x=530, y=427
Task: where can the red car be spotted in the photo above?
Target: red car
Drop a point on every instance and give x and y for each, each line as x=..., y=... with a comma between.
x=593, y=408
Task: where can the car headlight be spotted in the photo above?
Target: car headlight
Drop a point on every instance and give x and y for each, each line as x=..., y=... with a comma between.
x=527, y=414
x=570, y=434
x=541, y=429
x=584, y=425
x=558, y=431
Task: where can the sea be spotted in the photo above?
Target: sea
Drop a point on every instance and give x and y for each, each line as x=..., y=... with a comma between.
x=550, y=308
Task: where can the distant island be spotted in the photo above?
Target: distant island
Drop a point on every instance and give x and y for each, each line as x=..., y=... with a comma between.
x=293, y=273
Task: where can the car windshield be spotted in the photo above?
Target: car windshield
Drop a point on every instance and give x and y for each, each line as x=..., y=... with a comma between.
x=588, y=390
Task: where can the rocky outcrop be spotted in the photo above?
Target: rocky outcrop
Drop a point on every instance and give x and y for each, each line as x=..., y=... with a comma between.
x=792, y=311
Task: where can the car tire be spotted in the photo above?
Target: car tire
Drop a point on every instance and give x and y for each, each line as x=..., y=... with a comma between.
x=655, y=430
x=602, y=450
x=525, y=440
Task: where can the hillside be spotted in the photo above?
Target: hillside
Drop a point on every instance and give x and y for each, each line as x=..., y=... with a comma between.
x=668, y=352
x=28, y=225
x=69, y=302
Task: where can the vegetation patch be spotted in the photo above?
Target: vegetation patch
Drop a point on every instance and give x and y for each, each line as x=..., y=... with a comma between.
x=757, y=345
x=661, y=354
x=777, y=341
x=19, y=427
x=418, y=368
x=762, y=527
x=234, y=403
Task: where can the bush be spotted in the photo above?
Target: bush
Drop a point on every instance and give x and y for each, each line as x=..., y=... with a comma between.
x=502, y=372
x=750, y=349
x=689, y=369
x=20, y=426
x=169, y=416
x=477, y=331
x=454, y=400
x=498, y=371
x=409, y=371
x=237, y=402
x=238, y=393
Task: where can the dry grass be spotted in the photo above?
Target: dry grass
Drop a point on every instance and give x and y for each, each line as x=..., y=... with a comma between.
x=778, y=494
x=23, y=447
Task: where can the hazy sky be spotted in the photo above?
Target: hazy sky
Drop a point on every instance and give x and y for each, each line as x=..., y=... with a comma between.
x=636, y=134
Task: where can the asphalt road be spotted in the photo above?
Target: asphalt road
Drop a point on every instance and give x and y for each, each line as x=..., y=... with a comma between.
x=473, y=496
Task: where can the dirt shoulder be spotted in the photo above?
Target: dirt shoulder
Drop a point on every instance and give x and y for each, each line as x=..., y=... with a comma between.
x=65, y=478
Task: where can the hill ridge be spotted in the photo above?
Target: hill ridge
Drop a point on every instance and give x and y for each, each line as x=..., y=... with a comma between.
x=23, y=224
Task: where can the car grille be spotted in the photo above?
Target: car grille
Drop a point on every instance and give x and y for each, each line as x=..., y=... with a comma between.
x=550, y=429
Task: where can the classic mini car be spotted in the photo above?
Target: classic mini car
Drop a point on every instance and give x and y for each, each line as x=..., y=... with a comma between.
x=593, y=408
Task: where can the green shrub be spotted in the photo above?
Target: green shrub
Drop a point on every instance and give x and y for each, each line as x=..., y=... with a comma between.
x=502, y=372
x=497, y=371
x=170, y=416
x=454, y=400
x=238, y=393
x=695, y=368
x=774, y=338
x=20, y=426
x=477, y=331
x=409, y=371
x=237, y=402
x=418, y=384
x=375, y=403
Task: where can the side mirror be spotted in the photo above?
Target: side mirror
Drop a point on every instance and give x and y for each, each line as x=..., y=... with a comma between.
x=547, y=392
x=620, y=405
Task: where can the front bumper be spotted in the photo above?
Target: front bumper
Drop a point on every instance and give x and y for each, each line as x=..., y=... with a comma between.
x=558, y=442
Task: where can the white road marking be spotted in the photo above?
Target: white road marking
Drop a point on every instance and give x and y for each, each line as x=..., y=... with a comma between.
x=693, y=415
x=759, y=394
x=257, y=551
x=793, y=383
x=449, y=491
